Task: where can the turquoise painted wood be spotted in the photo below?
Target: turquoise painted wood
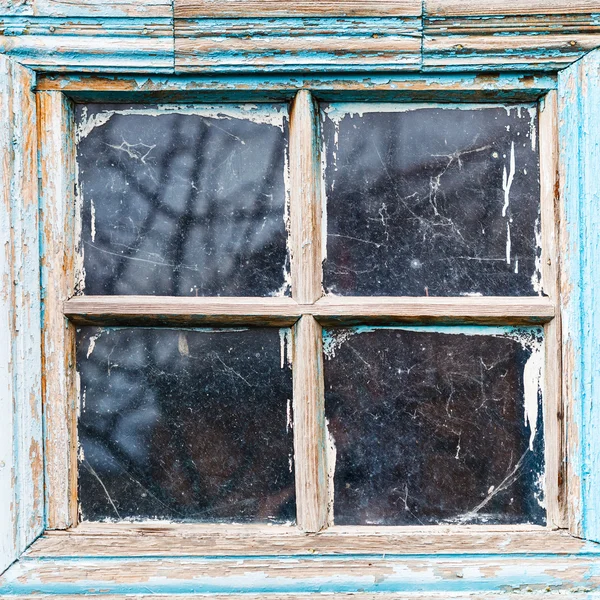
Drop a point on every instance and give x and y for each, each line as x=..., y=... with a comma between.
x=579, y=118
x=21, y=454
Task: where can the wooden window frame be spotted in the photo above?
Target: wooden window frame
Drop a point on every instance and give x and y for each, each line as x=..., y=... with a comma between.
x=41, y=79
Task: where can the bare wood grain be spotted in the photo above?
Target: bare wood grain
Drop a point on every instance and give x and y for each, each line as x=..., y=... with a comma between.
x=554, y=434
x=165, y=539
x=310, y=434
x=475, y=8
x=305, y=200
x=168, y=310
x=335, y=310
x=58, y=282
x=308, y=8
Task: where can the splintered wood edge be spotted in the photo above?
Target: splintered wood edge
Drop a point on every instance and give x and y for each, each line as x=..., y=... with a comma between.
x=166, y=539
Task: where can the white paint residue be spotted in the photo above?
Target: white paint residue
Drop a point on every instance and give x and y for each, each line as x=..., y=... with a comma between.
x=532, y=380
x=332, y=340
x=182, y=344
x=323, y=200
x=331, y=455
x=285, y=345
x=532, y=127
x=517, y=265
x=508, y=243
x=472, y=294
x=507, y=179
x=289, y=423
x=266, y=114
x=536, y=278
x=92, y=344
x=93, y=224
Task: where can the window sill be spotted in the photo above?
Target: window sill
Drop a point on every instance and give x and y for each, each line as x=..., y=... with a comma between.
x=193, y=559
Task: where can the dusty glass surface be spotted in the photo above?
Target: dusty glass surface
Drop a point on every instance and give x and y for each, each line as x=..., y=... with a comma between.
x=435, y=426
x=183, y=201
x=186, y=425
x=431, y=200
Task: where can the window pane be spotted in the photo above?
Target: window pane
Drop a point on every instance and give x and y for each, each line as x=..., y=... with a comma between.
x=190, y=425
x=438, y=201
x=436, y=426
x=183, y=201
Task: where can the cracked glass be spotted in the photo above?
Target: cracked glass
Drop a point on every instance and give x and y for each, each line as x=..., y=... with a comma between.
x=435, y=425
x=183, y=200
x=185, y=425
x=431, y=201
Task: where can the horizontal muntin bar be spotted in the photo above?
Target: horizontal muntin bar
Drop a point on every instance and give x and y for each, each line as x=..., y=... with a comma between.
x=329, y=310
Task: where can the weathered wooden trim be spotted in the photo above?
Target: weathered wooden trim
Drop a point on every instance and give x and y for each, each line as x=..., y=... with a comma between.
x=500, y=51
x=165, y=539
x=136, y=310
x=474, y=8
x=410, y=87
x=58, y=244
x=337, y=310
x=88, y=8
x=579, y=114
x=305, y=200
x=413, y=576
x=537, y=35
x=192, y=9
x=554, y=426
x=90, y=44
x=296, y=44
x=21, y=440
x=310, y=432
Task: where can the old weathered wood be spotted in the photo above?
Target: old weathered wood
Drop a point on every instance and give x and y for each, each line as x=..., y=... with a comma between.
x=579, y=157
x=114, y=310
x=164, y=539
x=87, y=8
x=296, y=44
x=407, y=576
x=187, y=9
x=495, y=87
x=476, y=8
x=310, y=432
x=305, y=200
x=21, y=443
x=89, y=44
x=59, y=280
x=335, y=310
x=521, y=35
x=554, y=432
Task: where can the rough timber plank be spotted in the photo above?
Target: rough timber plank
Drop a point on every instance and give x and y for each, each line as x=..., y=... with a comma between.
x=337, y=310
x=474, y=8
x=187, y=9
x=579, y=157
x=415, y=576
x=115, y=310
x=21, y=459
x=554, y=431
x=87, y=8
x=537, y=35
x=310, y=433
x=297, y=44
x=163, y=539
x=89, y=44
x=58, y=283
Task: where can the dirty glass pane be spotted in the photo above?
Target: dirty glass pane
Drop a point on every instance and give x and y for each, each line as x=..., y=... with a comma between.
x=435, y=426
x=183, y=201
x=438, y=201
x=186, y=425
